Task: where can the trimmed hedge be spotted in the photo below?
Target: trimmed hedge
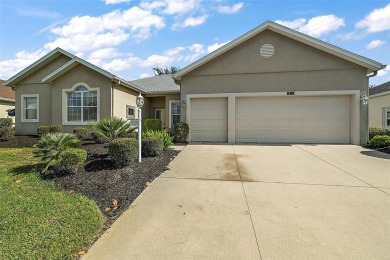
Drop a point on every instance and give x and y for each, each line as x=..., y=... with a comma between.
x=181, y=132
x=5, y=122
x=380, y=141
x=81, y=132
x=152, y=146
x=42, y=130
x=99, y=138
x=375, y=131
x=164, y=135
x=73, y=158
x=123, y=151
x=55, y=129
x=153, y=124
x=7, y=134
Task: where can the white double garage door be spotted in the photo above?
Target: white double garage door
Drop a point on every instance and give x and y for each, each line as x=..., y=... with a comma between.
x=286, y=119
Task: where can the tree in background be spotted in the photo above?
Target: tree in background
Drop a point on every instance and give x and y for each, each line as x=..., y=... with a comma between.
x=165, y=70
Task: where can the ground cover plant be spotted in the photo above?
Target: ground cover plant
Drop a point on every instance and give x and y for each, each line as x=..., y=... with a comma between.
x=37, y=219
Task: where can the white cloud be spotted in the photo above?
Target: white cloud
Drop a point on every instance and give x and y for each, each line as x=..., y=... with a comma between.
x=145, y=75
x=172, y=7
x=111, y=2
x=121, y=64
x=355, y=35
x=375, y=44
x=197, y=48
x=36, y=12
x=225, y=9
x=316, y=26
x=384, y=72
x=104, y=53
x=376, y=21
x=215, y=46
x=191, y=21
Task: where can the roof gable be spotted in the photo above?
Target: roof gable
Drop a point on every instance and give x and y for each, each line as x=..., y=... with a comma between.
x=380, y=89
x=6, y=93
x=280, y=29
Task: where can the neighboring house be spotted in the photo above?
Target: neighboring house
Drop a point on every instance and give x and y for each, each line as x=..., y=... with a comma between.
x=379, y=106
x=7, y=99
x=271, y=85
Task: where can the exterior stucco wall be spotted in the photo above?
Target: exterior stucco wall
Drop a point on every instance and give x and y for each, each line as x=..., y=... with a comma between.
x=124, y=96
x=293, y=67
x=376, y=107
x=45, y=112
x=161, y=102
x=5, y=105
x=79, y=74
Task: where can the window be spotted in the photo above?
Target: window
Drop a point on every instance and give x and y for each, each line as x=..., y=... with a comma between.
x=81, y=105
x=130, y=112
x=387, y=118
x=30, y=108
x=174, y=112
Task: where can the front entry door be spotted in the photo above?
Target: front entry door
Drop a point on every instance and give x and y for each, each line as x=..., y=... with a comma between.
x=159, y=113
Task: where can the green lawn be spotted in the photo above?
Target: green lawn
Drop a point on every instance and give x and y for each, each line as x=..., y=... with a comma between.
x=38, y=220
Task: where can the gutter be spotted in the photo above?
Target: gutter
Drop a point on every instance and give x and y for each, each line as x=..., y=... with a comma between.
x=7, y=99
x=373, y=74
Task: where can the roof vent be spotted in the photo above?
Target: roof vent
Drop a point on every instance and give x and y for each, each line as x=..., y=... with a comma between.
x=267, y=50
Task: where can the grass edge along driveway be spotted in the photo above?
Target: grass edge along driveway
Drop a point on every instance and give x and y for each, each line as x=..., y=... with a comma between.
x=37, y=219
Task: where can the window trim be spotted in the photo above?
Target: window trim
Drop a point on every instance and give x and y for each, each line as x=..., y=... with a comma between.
x=170, y=111
x=128, y=116
x=65, y=104
x=23, y=109
x=385, y=111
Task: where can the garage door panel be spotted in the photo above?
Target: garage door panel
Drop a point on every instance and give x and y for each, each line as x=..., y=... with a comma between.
x=208, y=120
x=293, y=119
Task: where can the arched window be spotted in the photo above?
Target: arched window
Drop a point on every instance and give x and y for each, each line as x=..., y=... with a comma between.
x=82, y=104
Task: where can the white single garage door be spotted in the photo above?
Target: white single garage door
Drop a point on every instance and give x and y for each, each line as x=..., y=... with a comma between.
x=208, y=120
x=290, y=119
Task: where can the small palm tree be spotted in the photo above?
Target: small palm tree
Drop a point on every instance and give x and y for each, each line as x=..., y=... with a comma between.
x=113, y=128
x=51, y=146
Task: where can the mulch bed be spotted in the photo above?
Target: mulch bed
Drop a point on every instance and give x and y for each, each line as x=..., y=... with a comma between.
x=100, y=180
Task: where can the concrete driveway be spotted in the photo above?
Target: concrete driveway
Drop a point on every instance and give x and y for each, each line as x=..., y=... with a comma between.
x=259, y=202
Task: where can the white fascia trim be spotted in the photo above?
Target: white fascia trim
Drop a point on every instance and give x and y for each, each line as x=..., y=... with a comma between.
x=355, y=106
x=65, y=104
x=170, y=111
x=7, y=99
x=23, y=111
x=324, y=46
x=36, y=64
x=380, y=94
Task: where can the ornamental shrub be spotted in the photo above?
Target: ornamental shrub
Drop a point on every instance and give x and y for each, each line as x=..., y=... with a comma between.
x=153, y=124
x=164, y=135
x=99, y=138
x=42, y=130
x=112, y=128
x=123, y=151
x=152, y=146
x=81, y=132
x=7, y=134
x=380, y=141
x=51, y=147
x=181, y=132
x=5, y=122
x=55, y=129
x=375, y=131
x=73, y=158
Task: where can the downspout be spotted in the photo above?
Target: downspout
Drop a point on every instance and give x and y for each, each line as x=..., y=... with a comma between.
x=112, y=99
x=373, y=74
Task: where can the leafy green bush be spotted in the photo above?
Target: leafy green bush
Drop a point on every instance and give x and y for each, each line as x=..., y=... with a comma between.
x=42, y=130
x=123, y=151
x=99, y=138
x=73, y=158
x=164, y=135
x=81, y=132
x=5, y=122
x=153, y=124
x=7, y=133
x=180, y=132
x=152, y=146
x=112, y=128
x=375, y=131
x=380, y=141
x=130, y=135
x=51, y=147
x=55, y=129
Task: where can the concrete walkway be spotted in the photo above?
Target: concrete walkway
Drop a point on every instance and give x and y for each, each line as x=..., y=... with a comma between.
x=259, y=202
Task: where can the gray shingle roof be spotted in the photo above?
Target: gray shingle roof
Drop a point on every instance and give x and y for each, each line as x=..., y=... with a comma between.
x=380, y=89
x=162, y=83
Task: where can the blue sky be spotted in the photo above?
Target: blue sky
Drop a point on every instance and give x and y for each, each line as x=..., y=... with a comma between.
x=130, y=37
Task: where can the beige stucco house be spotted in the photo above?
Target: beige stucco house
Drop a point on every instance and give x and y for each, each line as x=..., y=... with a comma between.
x=379, y=106
x=7, y=99
x=271, y=85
